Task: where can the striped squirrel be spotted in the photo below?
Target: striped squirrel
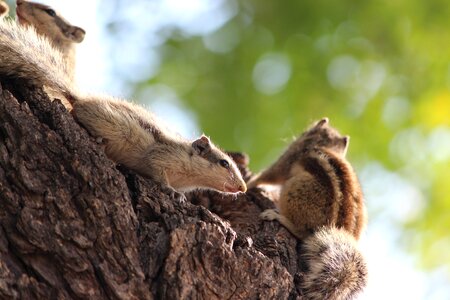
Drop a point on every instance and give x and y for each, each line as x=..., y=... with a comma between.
x=47, y=22
x=321, y=204
x=318, y=185
x=334, y=267
x=4, y=9
x=132, y=135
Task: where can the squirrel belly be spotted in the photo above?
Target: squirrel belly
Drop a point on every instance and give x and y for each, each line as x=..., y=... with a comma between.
x=133, y=136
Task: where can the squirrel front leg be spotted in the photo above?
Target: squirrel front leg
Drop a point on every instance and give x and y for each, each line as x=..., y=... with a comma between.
x=272, y=214
x=272, y=175
x=159, y=176
x=152, y=167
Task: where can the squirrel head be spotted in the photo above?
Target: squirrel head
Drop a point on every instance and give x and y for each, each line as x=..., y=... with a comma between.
x=49, y=23
x=322, y=135
x=215, y=168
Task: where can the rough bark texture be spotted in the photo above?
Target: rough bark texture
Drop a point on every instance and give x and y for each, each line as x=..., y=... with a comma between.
x=73, y=225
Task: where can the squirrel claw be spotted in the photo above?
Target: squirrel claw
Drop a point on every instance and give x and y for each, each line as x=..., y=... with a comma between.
x=172, y=193
x=179, y=197
x=269, y=215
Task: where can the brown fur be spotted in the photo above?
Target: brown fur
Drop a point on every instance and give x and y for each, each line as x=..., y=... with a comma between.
x=319, y=186
x=323, y=190
x=132, y=135
x=61, y=34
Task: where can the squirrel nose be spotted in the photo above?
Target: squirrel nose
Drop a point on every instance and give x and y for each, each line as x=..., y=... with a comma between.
x=243, y=188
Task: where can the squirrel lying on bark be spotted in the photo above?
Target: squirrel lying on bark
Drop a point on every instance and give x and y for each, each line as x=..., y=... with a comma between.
x=321, y=203
x=132, y=135
x=49, y=23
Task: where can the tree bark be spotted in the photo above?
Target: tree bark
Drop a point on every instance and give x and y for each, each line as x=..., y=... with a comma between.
x=73, y=225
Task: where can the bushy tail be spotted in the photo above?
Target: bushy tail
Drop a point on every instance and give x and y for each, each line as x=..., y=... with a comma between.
x=335, y=268
x=25, y=54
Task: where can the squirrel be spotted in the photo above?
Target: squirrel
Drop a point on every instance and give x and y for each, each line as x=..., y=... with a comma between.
x=318, y=185
x=321, y=204
x=49, y=23
x=334, y=267
x=132, y=135
x=4, y=9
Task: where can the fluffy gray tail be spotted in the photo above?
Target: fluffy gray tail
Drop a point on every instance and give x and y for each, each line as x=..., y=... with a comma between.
x=336, y=269
x=25, y=54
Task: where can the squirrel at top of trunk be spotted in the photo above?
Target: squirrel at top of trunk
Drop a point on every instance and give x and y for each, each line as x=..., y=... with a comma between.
x=321, y=203
x=49, y=23
x=60, y=33
x=132, y=135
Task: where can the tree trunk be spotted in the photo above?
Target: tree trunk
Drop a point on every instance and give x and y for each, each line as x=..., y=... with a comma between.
x=75, y=226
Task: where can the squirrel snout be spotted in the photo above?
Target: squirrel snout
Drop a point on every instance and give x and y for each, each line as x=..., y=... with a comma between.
x=234, y=187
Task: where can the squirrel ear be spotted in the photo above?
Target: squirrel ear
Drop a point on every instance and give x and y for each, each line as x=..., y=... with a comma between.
x=322, y=122
x=76, y=34
x=4, y=8
x=346, y=140
x=201, y=145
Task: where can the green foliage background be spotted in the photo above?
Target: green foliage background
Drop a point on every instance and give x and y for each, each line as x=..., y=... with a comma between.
x=380, y=70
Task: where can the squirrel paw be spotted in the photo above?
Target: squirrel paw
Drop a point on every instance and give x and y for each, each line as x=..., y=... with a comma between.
x=179, y=197
x=269, y=215
x=172, y=193
x=252, y=183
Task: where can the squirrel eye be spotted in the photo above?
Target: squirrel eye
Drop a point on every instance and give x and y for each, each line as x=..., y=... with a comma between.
x=224, y=163
x=50, y=12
